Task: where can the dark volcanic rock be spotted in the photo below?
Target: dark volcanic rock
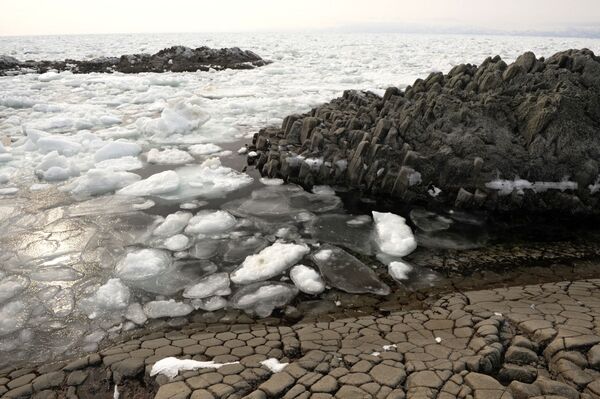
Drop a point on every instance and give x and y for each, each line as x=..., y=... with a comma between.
x=499, y=137
x=173, y=59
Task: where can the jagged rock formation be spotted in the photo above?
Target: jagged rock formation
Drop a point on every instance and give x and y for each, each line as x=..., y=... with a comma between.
x=173, y=59
x=499, y=137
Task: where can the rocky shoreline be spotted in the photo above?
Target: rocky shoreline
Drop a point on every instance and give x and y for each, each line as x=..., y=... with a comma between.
x=172, y=59
x=495, y=137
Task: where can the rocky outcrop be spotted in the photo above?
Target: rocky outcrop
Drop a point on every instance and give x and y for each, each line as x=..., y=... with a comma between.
x=173, y=59
x=524, y=136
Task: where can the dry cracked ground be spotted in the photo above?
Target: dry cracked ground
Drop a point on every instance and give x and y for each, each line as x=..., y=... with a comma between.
x=520, y=342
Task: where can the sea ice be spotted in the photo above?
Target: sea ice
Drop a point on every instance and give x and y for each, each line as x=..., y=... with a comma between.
x=11, y=286
x=274, y=365
x=124, y=164
x=100, y=181
x=177, y=242
x=142, y=264
x=171, y=366
x=204, y=149
x=13, y=316
x=262, y=298
x=112, y=295
x=117, y=149
x=170, y=308
x=307, y=279
x=159, y=183
x=59, y=273
x=268, y=263
x=61, y=145
x=179, y=117
x=173, y=224
x=393, y=236
x=136, y=314
x=344, y=272
x=238, y=249
x=210, y=304
x=169, y=156
x=55, y=167
x=214, y=284
x=210, y=222
x=347, y=231
x=323, y=190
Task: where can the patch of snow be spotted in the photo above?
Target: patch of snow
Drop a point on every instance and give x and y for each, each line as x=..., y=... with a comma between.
x=171, y=366
x=274, y=365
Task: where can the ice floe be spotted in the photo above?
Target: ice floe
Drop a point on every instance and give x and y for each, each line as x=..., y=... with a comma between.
x=169, y=156
x=214, y=285
x=173, y=224
x=204, y=149
x=210, y=222
x=262, y=298
x=167, y=308
x=156, y=184
x=100, y=181
x=307, y=279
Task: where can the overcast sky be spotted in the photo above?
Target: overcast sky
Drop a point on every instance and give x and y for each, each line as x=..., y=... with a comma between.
x=27, y=17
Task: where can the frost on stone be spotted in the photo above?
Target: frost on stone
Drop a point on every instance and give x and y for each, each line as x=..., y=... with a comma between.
x=214, y=284
x=262, y=298
x=100, y=181
x=268, y=263
x=392, y=234
x=159, y=183
x=173, y=224
x=344, y=272
x=169, y=156
x=210, y=222
x=307, y=279
x=167, y=308
x=429, y=221
x=171, y=366
x=343, y=230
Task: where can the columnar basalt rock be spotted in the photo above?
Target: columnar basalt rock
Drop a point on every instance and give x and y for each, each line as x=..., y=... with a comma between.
x=172, y=59
x=524, y=136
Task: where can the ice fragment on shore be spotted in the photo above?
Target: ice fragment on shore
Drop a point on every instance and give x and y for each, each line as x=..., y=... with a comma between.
x=344, y=272
x=171, y=366
x=168, y=157
x=261, y=298
x=214, y=284
x=170, y=308
x=268, y=263
x=393, y=236
x=274, y=365
x=307, y=279
x=159, y=183
x=399, y=270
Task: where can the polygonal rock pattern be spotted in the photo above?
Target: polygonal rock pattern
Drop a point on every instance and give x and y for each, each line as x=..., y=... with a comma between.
x=517, y=342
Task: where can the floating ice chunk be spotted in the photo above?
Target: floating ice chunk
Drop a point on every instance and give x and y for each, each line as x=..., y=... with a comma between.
x=177, y=242
x=399, y=270
x=344, y=230
x=59, y=144
x=262, y=298
x=9, y=191
x=323, y=190
x=100, y=181
x=215, y=284
x=274, y=365
x=171, y=366
x=13, y=316
x=429, y=221
x=307, y=280
x=142, y=264
x=117, y=149
x=344, y=272
x=12, y=286
x=110, y=296
x=136, y=314
x=60, y=273
x=393, y=236
x=126, y=163
x=62, y=303
x=204, y=149
x=170, y=308
x=168, y=156
x=55, y=167
x=271, y=181
x=268, y=263
x=210, y=222
x=159, y=183
x=179, y=117
x=173, y=224
x=210, y=304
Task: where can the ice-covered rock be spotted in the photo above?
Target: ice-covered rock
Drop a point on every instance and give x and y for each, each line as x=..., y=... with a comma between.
x=344, y=272
x=173, y=224
x=429, y=221
x=307, y=279
x=204, y=149
x=159, y=183
x=262, y=298
x=171, y=366
x=117, y=149
x=142, y=264
x=100, y=181
x=169, y=156
x=210, y=222
x=213, y=285
x=170, y=308
x=268, y=263
x=393, y=236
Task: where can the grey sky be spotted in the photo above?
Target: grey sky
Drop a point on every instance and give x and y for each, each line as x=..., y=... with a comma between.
x=22, y=17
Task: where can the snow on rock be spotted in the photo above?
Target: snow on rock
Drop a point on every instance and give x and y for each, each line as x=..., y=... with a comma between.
x=268, y=263
x=117, y=149
x=210, y=222
x=171, y=366
x=173, y=224
x=156, y=184
x=307, y=279
x=393, y=236
x=399, y=270
x=214, y=285
x=142, y=264
x=261, y=298
x=177, y=118
x=274, y=365
x=170, y=308
x=177, y=242
x=100, y=181
x=204, y=149
x=170, y=156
